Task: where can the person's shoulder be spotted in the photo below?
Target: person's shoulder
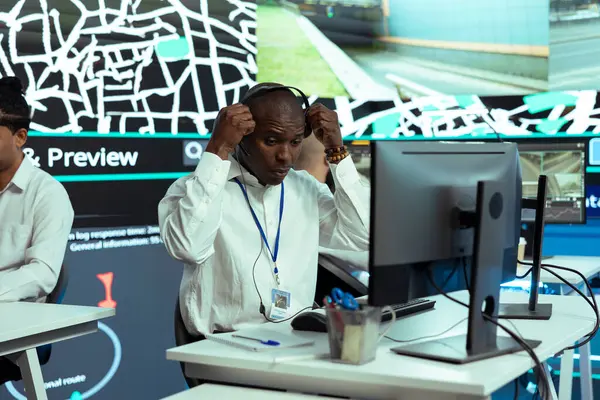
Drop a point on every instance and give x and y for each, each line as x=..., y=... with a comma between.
x=49, y=194
x=45, y=184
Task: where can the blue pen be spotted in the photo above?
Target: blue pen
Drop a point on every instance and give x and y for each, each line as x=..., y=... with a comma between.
x=265, y=342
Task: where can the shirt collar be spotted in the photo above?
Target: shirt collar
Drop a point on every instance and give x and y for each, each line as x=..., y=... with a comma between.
x=23, y=174
x=237, y=170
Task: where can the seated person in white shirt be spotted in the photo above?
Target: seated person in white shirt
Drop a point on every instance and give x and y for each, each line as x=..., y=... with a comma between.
x=232, y=275
x=35, y=213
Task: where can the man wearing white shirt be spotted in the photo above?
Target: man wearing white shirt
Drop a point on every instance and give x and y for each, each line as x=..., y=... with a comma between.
x=35, y=213
x=247, y=226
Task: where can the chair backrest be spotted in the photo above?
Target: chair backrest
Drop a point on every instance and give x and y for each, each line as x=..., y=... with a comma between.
x=58, y=293
x=183, y=337
x=55, y=297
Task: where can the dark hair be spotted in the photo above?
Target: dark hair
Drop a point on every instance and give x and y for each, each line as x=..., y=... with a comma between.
x=14, y=110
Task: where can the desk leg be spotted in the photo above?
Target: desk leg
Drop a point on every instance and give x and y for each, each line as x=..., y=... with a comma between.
x=585, y=367
x=548, y=375
x=32, y=375
x=565, y=389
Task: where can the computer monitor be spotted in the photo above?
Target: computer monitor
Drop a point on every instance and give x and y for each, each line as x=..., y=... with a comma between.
x=453, y=275
x=564, y=165
x=438, y=204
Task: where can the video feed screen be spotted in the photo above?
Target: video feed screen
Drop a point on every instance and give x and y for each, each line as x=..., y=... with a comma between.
x=574, y=45
x=564, y=165
x=374, y=49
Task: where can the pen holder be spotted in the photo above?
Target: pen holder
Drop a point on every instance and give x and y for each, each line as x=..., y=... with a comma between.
x=353, y=335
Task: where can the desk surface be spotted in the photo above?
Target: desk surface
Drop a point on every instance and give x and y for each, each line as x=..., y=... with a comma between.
x=588, y=266
x=390, y=374
x=211, y=391
x=24, y=319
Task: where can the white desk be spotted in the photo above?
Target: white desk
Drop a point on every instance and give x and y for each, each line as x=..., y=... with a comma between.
x=211, y=391
x=589, y=267
x=26, y=326
x=392, y=376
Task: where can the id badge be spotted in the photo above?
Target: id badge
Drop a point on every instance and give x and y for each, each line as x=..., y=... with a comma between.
x=281, y=301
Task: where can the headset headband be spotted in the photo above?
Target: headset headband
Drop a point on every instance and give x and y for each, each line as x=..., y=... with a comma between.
x=272, y=88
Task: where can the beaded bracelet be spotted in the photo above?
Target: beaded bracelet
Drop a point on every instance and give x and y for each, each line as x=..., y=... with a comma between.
x=335, y=150
x=335, y=157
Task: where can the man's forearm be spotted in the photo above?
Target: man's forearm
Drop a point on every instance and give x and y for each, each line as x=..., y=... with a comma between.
x=31, y=281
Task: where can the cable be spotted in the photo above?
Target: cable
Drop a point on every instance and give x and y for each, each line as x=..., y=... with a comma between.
x=516, y=396
x=450, y=276
x=464, y=264
x=591, y=303
x=262, y=308
x=429, y=336
x=541, y=378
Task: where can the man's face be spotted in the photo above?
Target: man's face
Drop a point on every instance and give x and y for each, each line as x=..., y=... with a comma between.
x=275, y=145
x=10, y=145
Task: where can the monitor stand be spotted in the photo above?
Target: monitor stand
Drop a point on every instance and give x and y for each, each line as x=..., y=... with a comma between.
x=533, y=309
x=481, y=340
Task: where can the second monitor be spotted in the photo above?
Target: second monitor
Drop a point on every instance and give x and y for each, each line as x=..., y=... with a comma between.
x=435, y=204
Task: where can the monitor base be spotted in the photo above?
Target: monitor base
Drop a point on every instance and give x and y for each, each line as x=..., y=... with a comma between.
x=453, y=349
x=521, y=311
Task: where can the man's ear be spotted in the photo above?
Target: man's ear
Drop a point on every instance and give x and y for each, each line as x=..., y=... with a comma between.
x=20, y=137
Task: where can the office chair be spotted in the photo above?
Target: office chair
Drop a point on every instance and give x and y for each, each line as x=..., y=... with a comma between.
x=334, y=272
x=55, y=297
x=183, y=337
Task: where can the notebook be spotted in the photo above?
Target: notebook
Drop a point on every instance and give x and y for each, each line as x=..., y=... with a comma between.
x=286, y=340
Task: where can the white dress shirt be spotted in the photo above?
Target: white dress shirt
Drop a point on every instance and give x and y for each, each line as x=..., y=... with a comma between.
x=35, y=220
x=205, y=222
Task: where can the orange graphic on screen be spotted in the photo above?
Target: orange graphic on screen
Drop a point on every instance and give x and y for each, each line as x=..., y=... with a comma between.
x=107, y=280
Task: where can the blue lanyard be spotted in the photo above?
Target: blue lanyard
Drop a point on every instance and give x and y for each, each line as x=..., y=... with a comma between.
x=260, y=229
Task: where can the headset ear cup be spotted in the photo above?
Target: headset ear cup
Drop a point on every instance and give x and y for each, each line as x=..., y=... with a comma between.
x=307, y=128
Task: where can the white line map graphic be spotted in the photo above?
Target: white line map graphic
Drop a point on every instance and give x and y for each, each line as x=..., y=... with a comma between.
x=573, y=113
x=128, y=65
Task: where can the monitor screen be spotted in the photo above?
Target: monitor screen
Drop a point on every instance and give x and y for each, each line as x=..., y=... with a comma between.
x=564, y=165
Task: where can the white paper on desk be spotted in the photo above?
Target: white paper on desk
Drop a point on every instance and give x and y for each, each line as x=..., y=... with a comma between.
x=286, y=340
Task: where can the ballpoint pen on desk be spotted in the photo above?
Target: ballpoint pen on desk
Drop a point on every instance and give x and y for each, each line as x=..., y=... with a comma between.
x=265, y=342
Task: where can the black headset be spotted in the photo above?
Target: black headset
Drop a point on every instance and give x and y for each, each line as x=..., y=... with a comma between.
x=264, y=89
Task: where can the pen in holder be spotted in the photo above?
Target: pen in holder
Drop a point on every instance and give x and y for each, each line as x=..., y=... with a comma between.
x=354, y=332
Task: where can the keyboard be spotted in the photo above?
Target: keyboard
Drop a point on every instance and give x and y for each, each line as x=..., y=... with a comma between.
x=412, y=307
